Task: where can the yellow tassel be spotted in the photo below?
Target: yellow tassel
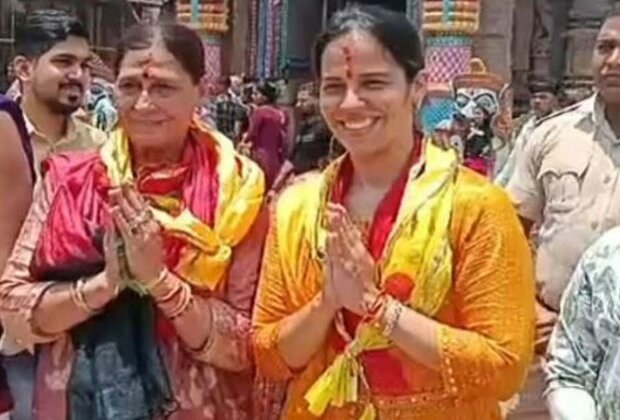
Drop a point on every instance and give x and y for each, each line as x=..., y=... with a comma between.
x=370, y=412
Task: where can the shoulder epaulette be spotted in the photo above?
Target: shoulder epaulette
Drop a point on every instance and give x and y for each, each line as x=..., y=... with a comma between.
x=558, y=113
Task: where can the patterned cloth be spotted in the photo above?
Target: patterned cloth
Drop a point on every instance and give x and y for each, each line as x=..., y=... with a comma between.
x=445, y=62
x=436, y=111
x=253, y=38
x=584, y=352
x=213, y=54
x=283, y=34
x=446, y=57
x=230, y=112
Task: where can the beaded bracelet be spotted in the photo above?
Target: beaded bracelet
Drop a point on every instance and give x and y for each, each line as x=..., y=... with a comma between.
x=391, y=314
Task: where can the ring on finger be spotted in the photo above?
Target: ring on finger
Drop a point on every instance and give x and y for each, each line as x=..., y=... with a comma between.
x=144, y=217
x=134, y=227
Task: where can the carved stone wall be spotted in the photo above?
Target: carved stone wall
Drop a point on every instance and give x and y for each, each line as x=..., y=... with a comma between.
x=584, y=20
x=493, y=41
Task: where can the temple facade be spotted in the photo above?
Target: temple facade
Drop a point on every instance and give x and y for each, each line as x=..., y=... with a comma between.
x=273, y=38
x=550, y=39
x=105, y=20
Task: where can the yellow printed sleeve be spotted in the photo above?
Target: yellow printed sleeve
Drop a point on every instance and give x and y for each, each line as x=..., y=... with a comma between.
x=489, y=351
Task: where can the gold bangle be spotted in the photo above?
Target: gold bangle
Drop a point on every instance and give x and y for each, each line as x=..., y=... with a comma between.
x=79, y=298
x=184, y=302
x=163, y=274
x=74, y=297
x=80, y=289
x=170, y=293
x=209, y=342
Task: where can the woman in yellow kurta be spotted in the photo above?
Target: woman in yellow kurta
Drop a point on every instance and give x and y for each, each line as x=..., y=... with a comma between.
x=395, y=284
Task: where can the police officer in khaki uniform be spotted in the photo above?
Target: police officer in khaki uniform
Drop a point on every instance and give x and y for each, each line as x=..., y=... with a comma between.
x=567, y=182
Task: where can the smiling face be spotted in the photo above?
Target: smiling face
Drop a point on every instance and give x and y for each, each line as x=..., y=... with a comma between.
x=606, y=61
x=365, y=98
x=156, y=97
x=60, y=77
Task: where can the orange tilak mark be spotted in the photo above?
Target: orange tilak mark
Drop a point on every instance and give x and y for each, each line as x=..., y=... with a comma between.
x=348, y=57
x=148, y=71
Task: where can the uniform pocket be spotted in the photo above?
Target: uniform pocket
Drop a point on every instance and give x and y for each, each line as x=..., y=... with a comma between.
x=562, y=191
x=561, y=174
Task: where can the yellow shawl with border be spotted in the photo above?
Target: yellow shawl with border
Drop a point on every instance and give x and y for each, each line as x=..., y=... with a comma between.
x=418, y=245
x=205, y=261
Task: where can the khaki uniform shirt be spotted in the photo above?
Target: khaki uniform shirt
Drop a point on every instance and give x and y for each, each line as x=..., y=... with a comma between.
x=568, y=181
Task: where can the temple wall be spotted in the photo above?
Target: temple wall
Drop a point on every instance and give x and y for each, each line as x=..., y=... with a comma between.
x=493, y=41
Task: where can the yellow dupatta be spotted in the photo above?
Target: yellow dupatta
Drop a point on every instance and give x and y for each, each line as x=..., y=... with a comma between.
x=241, y=191
x=418, y=245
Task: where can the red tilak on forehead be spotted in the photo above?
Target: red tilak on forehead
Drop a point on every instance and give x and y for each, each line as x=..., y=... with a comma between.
x=348, y=57
x=148, y=70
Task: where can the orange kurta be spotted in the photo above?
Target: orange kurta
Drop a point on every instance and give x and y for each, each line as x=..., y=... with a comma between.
x=486, y=323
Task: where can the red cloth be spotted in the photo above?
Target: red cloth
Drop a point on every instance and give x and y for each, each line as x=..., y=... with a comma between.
x=480, y=165
x=79, y=212
x=267, y=135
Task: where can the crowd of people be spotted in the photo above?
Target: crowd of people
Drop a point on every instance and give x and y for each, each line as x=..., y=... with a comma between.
x=172, y=248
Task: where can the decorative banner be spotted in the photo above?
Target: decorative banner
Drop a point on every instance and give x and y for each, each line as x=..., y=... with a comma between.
x=446, y=62
x=448, y=26
x=252, y=58
x=213, y=58
x=204, y=15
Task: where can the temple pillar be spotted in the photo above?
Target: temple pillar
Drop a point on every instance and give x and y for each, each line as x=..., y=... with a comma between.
x=492, y=43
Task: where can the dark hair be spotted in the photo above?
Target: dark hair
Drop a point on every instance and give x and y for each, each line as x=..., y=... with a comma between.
x=43, y=29
x=269, y=91
x=393, y=30
x=544, y=86
x=183, y=43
